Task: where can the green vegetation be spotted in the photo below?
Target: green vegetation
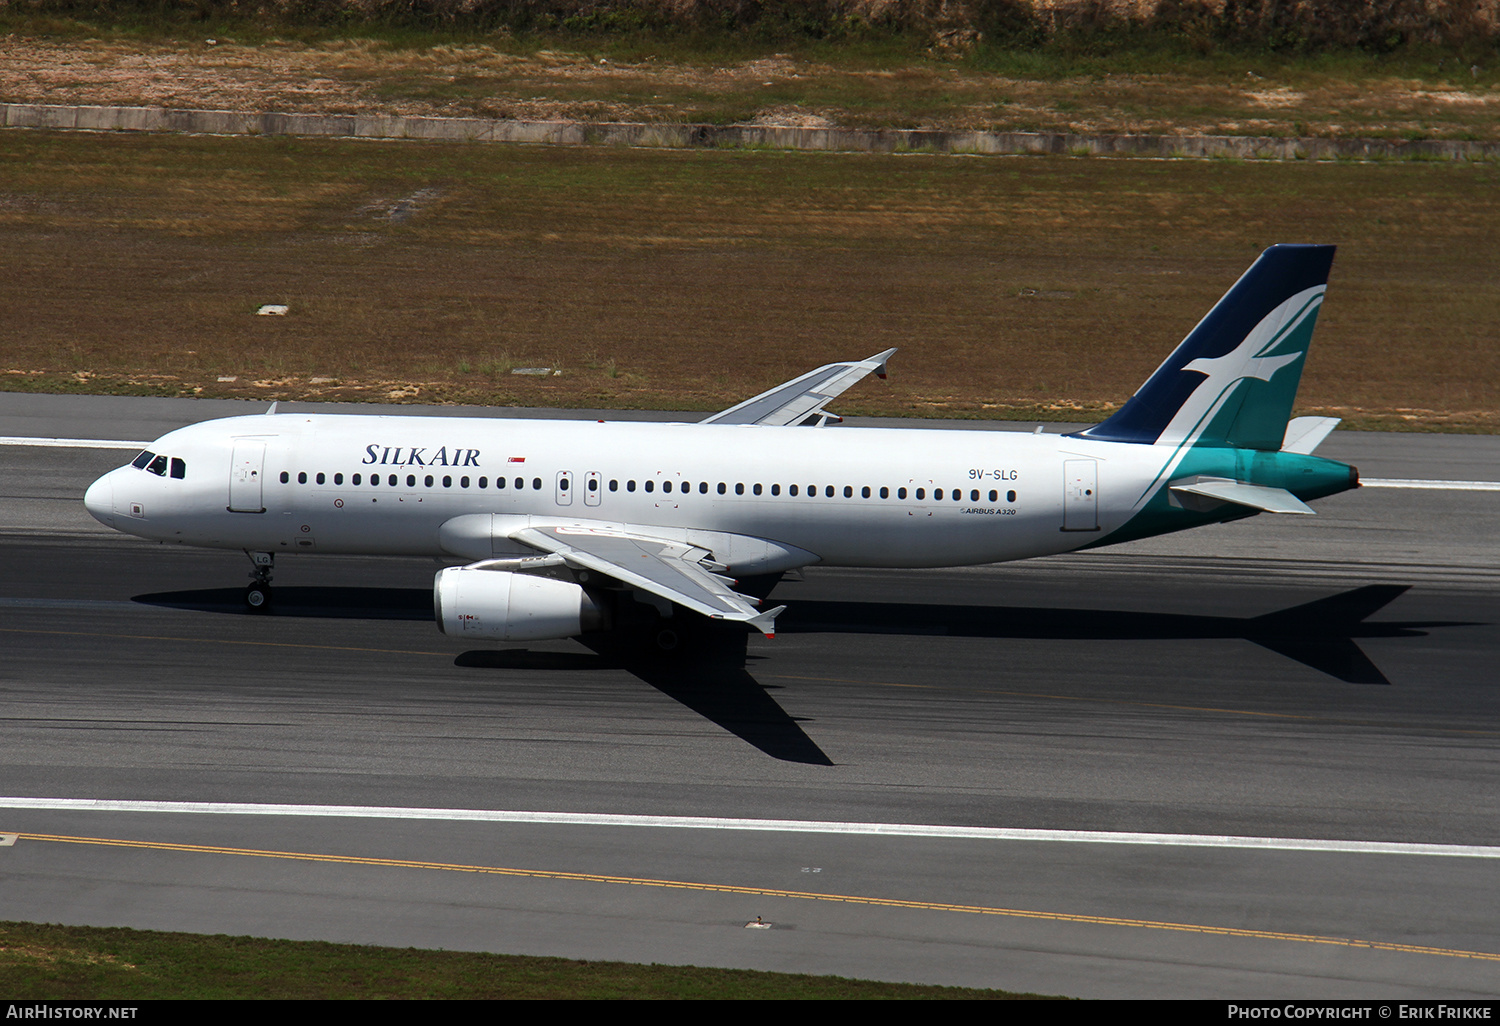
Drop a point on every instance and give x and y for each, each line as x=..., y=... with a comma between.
x=1086, y=28
x=39, y=962
x=1445, y=38
x=1408, y=69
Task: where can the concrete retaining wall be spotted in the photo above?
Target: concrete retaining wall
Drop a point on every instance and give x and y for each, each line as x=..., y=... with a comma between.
x=571, y=133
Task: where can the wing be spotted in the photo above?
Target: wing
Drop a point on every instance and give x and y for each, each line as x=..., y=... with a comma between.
x=801, y=400
x=671, y=570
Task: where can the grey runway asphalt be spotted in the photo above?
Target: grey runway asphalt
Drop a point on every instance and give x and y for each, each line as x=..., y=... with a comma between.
x=1150, y=688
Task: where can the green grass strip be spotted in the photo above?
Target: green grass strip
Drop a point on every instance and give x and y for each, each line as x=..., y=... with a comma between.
x=49, y=962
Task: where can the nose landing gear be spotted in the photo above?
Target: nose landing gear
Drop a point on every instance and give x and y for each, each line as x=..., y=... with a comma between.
x=258, y=594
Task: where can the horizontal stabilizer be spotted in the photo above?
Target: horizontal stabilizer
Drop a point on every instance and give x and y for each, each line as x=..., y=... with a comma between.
x=1190, y=494
x=1304, y=434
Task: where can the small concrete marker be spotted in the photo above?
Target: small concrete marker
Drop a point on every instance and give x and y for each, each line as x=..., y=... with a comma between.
x=535, y=372
x=272, y=310
x=319, y=381
x=229, y=379
x=757, y=924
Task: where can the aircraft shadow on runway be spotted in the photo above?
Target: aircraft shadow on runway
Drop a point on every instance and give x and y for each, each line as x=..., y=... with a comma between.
x=1322, y=634
x=331, y=603
x=711, y=679
x=710, y=675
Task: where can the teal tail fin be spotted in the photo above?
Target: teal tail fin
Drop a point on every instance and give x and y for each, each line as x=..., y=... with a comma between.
x=1232, y=381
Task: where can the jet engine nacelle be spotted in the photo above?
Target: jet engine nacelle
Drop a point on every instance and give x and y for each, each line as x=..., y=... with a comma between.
x=473, y=602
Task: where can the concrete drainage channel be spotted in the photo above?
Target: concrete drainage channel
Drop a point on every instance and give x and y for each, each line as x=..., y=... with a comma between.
x=683, y=136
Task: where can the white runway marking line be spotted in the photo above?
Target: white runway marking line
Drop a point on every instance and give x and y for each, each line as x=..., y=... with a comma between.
x=1411, y=482
x=72, y=443
x=763, y=825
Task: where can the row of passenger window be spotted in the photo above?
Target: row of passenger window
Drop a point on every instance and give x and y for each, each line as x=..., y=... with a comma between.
x=685, y=487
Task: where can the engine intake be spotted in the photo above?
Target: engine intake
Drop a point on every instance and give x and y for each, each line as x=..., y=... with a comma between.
x=478, y=603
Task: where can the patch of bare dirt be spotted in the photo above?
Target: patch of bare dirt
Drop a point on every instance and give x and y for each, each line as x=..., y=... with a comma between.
x=361, y=76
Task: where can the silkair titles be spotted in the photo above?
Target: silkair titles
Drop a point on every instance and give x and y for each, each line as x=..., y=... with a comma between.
x=425, y=456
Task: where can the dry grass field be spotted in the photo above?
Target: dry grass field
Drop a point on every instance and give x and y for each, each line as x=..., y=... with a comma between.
x=1015, y=287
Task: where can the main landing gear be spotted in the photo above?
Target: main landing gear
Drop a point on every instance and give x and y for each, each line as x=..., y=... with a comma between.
x=258, y=594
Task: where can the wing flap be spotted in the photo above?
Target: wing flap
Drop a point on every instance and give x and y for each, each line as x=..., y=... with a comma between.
x=668, y=569
x=803, y=398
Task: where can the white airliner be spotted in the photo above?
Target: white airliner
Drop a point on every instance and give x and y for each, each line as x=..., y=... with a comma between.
x=572, y=527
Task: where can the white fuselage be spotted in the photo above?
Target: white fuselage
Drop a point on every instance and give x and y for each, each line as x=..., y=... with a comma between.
x=899, y=497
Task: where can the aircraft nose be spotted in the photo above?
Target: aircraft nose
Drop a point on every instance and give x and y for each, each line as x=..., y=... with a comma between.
x=100, y=500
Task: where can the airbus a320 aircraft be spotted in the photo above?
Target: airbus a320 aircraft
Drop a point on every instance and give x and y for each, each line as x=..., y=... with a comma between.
x=573, y=527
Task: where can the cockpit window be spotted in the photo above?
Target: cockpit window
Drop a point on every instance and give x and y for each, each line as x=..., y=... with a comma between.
x=159, y=466
x=179, y=468
x=146, y=456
